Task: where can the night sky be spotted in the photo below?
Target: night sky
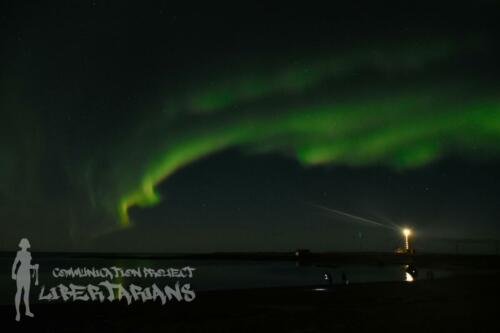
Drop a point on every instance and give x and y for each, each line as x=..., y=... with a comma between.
x=133, y=127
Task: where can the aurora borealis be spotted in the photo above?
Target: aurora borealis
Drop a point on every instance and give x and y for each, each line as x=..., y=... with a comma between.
x=103, y=112
x=311, y=120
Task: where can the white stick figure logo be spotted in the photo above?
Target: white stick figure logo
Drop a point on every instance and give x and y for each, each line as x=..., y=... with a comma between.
x=22, y=275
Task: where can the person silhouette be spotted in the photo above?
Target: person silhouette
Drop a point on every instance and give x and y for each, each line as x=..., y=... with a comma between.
x=22, y=277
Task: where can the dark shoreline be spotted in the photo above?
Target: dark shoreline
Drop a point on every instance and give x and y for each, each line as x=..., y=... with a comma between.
x=318, y=259
x=452, y=304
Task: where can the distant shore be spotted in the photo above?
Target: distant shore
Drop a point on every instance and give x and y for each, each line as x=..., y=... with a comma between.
x=437, y=260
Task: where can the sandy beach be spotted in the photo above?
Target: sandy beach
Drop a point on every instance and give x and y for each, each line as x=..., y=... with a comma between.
x=458, y=303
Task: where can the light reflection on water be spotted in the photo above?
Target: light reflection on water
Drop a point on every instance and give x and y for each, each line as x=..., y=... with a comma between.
x=410, y=273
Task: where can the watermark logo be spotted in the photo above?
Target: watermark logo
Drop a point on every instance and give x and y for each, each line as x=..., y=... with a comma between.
x=111, y=283
x=22, y=271
x=111, y=288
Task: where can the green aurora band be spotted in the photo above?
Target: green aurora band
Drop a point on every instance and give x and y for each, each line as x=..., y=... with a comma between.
x=398, y=107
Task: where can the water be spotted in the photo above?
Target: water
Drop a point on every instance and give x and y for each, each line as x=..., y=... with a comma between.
x=208, y=274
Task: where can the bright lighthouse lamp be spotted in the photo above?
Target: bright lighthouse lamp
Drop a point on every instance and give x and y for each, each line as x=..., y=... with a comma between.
x=407, y=233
